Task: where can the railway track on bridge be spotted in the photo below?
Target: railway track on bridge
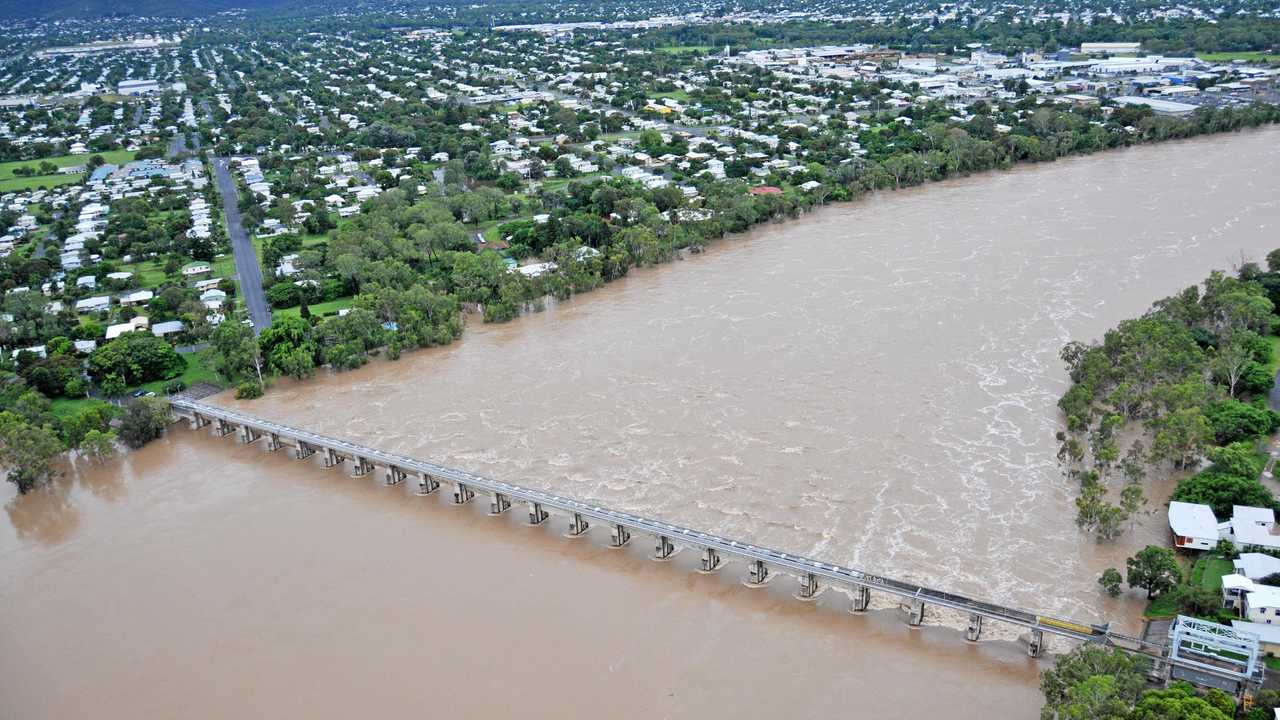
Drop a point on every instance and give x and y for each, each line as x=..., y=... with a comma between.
x=715, y=548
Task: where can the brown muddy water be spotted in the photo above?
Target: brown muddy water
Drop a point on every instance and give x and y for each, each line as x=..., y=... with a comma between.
x=874, y=384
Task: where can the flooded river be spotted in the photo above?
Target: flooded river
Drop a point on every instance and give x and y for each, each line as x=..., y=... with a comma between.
x=874, y=384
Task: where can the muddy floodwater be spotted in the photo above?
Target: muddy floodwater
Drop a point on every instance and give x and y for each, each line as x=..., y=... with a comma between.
x=873, y=384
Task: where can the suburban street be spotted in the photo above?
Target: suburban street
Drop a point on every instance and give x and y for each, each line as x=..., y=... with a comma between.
x=247, y=267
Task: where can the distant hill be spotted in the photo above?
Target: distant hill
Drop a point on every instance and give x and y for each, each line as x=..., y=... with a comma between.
x=54, y=9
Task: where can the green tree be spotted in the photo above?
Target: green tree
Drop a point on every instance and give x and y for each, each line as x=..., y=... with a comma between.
x=137, y=357
x=1179, y=701
x=99, y=444
x=1088, y=661
x=1154, y=569
x=27, y=451
x=143, y=420
x=1110, y=581
x=234, y=352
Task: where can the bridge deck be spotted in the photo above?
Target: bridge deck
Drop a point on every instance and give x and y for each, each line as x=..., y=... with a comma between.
x=835, y=574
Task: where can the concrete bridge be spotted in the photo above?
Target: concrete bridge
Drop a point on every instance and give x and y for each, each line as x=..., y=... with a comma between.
x=762, y=563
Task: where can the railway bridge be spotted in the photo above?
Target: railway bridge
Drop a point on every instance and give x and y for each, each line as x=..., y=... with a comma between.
x=762, y=563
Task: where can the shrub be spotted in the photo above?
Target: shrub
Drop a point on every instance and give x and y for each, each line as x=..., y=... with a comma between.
x=248, y=390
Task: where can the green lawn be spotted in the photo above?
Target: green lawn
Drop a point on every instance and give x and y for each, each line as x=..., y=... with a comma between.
x=1248, y=56
x=319, y=309
x=1208, y=571
x=1273, y=663
x=1163, y=606
x=679, y=96
x=18, y=184
x=682, y=49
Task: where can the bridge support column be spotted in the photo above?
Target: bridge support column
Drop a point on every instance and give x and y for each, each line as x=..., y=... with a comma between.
x=710, y=560
x=222, y=428
x=664, y=549
x=861, y=599
x=757, y=573
x=499, y=504
x=303, y=451
x=395, y=475
x=198, y=421
x=537, y=515
x=808, y=587
x=248, y=435
x=620, y=536
x=1035, y=643
x=273, y=442
x=915, y=613
x=974, y=631
x=427, y=484
x=359, y=466
x=332, y=458
x=462, y=494
x=578, y=525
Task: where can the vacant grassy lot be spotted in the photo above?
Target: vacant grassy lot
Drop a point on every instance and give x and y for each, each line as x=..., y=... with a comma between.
x=317, y=310
x=14, y=183
x=1247, y=56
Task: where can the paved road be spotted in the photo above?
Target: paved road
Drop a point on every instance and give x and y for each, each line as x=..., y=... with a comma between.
x=247, y=267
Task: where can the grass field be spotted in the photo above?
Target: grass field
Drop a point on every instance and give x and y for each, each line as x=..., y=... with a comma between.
x=12, y=183
x=683, y=49
x=317, y=310
x=19, y=184
x=1247, y=56
x=1208, y=571
x=679, y=96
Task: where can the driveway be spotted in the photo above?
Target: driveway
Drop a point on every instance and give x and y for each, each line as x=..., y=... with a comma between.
x=247, y=266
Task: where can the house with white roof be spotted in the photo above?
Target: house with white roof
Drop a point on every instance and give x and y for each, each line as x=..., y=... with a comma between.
x=138, y=323
x=1194, y=526
x=1253, y=527
x=93, y=304
x=1256, y=566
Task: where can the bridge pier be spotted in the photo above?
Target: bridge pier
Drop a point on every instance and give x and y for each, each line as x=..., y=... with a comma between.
x=861, y=599
x=710, y=560
x=537, y=515
x=974, y=630
x=198, y=421
x=915, y=613
x=1036, y=643
x=620, y=536
x=427, y=484
x=359, y=466
x=248, y=435
x=664, y=549
x=273, y=442
x=332, y=458
x=808, y=587
x=303, y=451
x=462, y=494
x=757, y=574
x=395, y=475
x=222, y=428
x=578, y=525
x=499, y=504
